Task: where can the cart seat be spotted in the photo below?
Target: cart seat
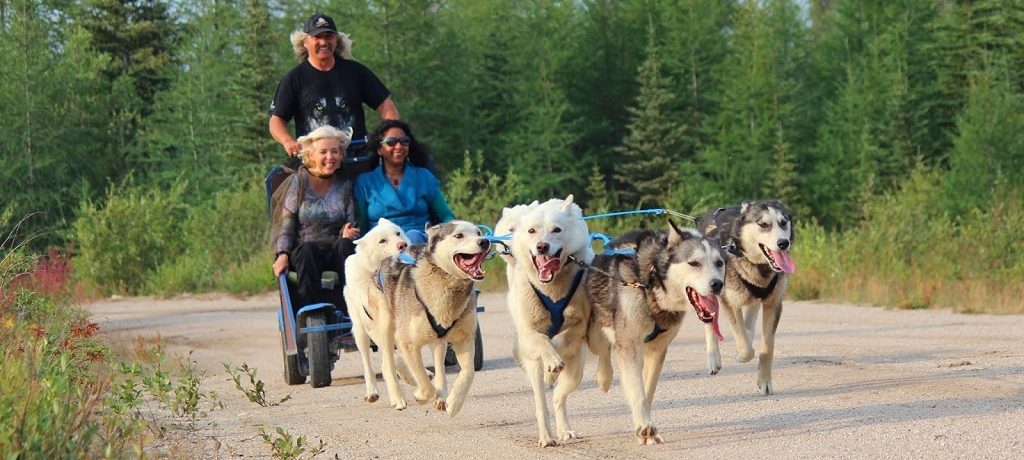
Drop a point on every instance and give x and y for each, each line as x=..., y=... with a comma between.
x=328, y=279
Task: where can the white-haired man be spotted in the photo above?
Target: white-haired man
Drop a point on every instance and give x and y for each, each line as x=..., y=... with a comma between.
x=327, y=87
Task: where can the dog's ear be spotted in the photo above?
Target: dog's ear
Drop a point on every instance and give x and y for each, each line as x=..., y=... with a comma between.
x=745, y=205
x=384, y=222
x=677, y=235
x=567, y=204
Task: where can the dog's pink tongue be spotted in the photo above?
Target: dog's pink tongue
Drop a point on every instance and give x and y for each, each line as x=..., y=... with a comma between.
x=784, y=261
x=547, y=266
x=710, y=303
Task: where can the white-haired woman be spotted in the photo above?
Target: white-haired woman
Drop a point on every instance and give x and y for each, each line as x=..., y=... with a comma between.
x=318, y=214
x=327, y=87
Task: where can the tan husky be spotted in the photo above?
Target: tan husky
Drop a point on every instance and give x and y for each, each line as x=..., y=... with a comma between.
x=432, y=305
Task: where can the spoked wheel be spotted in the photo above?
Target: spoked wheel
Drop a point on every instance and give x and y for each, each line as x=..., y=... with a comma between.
x=292, y=375
x=317, y=352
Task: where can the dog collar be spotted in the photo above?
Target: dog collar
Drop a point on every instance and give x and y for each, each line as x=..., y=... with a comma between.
x=758, y=291
x=557, y=309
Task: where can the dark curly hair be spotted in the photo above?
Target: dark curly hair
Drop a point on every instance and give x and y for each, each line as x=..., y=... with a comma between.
x=419, y=153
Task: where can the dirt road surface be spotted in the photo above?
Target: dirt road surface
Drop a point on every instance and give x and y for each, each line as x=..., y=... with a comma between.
x=850, y=382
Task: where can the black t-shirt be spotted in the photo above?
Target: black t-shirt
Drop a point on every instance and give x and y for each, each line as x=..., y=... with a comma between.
x=315, y=98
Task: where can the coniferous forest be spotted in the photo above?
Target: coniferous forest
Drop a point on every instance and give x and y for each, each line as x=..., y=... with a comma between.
x=135, y=131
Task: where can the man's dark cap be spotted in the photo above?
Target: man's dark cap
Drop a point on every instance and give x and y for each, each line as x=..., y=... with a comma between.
x=318, y=24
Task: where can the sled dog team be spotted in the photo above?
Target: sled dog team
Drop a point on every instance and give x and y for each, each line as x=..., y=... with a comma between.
x=625, y=305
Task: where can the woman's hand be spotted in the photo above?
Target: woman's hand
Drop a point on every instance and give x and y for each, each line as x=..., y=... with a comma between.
x=281, y=264
x=350, y=231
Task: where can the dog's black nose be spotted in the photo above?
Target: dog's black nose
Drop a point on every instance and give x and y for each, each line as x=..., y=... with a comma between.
x=716, y=286
x=783, y=244
x=542, y=248
x=484, y=243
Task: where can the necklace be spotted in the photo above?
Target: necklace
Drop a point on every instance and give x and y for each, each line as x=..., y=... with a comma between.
x=395, y=178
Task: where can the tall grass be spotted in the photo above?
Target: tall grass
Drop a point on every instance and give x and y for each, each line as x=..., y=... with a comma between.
x=54, y=396
x=909, y=253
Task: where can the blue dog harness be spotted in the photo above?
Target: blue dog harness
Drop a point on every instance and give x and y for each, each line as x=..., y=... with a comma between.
x=557, y=309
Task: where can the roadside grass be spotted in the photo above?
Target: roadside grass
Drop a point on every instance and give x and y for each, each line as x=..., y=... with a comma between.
x=68, y=395
x=909, y=253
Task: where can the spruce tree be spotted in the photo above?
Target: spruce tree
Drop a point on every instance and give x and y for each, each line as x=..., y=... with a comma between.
x=649, y=154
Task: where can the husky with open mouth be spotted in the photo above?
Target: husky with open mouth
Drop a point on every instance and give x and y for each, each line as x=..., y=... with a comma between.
x=757, y=236
x=432, y=305
x=549, y=314
x=638, y=302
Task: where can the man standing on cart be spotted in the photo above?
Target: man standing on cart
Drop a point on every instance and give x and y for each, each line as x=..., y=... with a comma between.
x=327, y=87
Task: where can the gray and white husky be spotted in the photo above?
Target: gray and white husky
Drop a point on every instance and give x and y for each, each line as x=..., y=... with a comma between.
x=432, y=305
x=670, y=273
x=758, y=236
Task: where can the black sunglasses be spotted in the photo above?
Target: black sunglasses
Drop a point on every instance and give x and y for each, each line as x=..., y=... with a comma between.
x=393, y=141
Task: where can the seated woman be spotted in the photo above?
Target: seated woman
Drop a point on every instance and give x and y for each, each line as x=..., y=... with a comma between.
x=401, y=188
x=317, y=215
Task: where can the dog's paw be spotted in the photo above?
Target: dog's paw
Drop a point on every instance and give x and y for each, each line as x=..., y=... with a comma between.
x=440, y=405
x=714, y=362
x=764, y=386
x=546, y=442
x=424, y=395
x=648, y=436
x=399, y=404
x=371, y=398
x=554, y=364
x=745, y=355
x=567, y=435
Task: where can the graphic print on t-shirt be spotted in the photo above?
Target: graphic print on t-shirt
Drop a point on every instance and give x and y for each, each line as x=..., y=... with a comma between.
x=327, y=111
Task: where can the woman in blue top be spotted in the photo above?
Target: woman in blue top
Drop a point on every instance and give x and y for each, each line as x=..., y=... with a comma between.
x=402, y=188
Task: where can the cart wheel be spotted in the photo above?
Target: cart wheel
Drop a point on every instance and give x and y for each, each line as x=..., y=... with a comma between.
x=317, y=352
x=478, y=355
x=292, y=376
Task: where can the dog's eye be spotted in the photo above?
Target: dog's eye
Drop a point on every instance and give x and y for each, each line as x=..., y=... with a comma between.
x=782, y=224
x=556, y=230
x=531, y=231
x=719, y=263
x=382, y=241
x=694, y=263
x=459, y=236
x=398, y=233
x=764, y=224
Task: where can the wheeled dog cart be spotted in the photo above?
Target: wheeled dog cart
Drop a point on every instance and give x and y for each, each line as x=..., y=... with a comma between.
x=313, y=336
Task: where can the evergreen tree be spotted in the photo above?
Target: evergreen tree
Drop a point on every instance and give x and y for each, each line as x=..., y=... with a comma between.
x=256, y=82
x=759, y=117
x=649, y=154
x=880, y=122
x=986, y=157
x=140, y=38
x=53, y=105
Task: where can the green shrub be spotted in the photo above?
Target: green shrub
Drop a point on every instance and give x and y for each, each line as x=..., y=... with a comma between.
x=225, y=245
x=127, y=238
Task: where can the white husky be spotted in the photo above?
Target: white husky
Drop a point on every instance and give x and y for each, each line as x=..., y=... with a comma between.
x=548, y=307
x=371, y=319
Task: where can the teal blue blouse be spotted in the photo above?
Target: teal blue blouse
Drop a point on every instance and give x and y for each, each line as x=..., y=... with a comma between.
x=410, y=205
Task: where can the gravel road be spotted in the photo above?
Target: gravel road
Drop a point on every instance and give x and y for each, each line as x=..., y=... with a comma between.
x=851, y=382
